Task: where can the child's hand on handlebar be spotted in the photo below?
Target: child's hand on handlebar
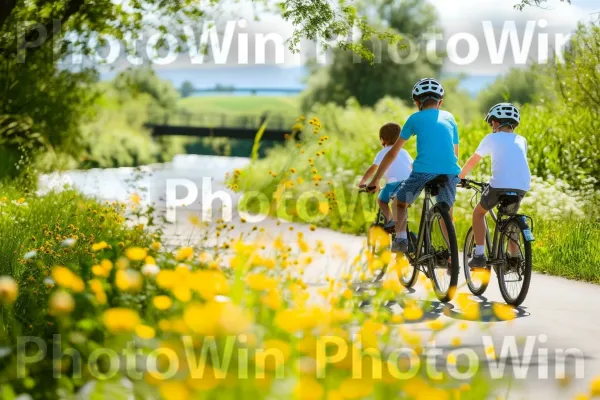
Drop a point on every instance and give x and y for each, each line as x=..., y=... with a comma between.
x=372, y=187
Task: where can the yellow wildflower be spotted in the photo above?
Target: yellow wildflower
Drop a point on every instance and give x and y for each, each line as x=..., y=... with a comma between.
x=129, y=280
x=61, y=303
x=272, y=300
x=162, y=302
x=503, y=311
x=65, y=278
x=136, y=253
x=120, y=320
x=98, y=290
x=9, y=290
x=412, y=312
x=308, y=389
x=145, y=332
x=260, y=282
x=173, y=390
x=595, y=386
x=184, y=253
x=99, y=246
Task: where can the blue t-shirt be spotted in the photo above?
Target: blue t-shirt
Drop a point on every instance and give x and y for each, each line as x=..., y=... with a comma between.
x=437, y=134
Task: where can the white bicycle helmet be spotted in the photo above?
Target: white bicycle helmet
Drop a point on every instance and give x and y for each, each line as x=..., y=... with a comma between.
x=504, y=112
x=428, y=87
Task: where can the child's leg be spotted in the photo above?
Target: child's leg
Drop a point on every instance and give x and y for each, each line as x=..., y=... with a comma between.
x=385, y=209
x=479, y=229
x=401, y=219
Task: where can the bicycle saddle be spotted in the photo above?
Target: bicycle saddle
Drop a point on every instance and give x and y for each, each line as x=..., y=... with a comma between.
x=436, y=183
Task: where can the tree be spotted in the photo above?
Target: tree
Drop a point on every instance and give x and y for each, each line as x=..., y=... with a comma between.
x=578, y=86
x=349, y=76
x=187, y=89
x=519, y=86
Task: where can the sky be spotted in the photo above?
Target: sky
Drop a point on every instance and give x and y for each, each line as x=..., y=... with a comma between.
x=472, y=36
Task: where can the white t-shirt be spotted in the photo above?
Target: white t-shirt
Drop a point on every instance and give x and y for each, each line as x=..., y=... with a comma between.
x=400, y=168
x=509, y=160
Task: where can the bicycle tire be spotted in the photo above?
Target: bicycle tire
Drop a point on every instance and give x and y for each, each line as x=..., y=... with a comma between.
x=447, y=295
x=520, y=298
x=410, y=279
x=467, y=251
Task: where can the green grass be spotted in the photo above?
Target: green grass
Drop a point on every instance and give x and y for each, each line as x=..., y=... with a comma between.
x=242, y=105
x=569, y=248
x=41, y=224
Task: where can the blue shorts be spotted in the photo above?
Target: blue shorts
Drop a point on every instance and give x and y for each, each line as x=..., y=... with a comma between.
x=387, y=190
x=411, y=188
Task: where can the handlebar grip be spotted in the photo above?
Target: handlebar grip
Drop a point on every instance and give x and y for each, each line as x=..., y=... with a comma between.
x=367, y=189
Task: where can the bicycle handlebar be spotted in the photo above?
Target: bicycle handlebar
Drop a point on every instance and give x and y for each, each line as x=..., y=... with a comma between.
x=470, y=184
x=365, y=189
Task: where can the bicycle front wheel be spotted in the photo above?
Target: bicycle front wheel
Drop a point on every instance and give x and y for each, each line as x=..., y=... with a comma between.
x=443, y=249
x=514, y=274
x=409, y=273
x=377, y=244
x=476, y=281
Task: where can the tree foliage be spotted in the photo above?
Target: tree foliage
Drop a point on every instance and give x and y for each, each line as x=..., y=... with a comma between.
x=535, y=3
x=520, y=86
x=391, y=72
x=187, y=88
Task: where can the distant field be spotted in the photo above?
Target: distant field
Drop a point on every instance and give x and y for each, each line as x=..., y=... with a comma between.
x=242, y=105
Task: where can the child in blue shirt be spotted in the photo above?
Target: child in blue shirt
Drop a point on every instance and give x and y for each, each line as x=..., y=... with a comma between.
x=437, y=154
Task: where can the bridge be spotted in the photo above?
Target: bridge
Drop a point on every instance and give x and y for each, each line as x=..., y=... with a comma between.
x=186, y=123
x=226, y=90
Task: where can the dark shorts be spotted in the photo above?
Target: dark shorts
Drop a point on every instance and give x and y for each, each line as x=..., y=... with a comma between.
x=491, y=197
x=411, y=188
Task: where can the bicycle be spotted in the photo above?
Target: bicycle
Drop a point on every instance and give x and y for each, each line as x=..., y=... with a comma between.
x=510, y=228
x=433, y=252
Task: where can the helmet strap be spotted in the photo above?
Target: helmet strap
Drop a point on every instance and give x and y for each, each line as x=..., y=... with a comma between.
x=512, y=127
x=426, y=99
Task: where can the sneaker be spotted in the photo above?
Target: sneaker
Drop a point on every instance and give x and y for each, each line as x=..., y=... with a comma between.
x=400, y=246
x=389, y=226
x=478, y=261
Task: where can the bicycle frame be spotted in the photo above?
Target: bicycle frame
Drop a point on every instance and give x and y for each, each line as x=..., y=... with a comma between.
x=423, y=238
x=494, y=246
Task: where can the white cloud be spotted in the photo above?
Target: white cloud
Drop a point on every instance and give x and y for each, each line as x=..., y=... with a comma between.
x=467, y=16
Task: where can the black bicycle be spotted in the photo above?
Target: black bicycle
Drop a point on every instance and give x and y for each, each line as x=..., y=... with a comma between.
x=435, y=250
x=509, y=254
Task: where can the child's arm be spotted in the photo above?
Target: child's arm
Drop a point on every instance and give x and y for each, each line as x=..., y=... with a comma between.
x=367, y=175
x=456, y=150
x=469, y=165
x=387, y=161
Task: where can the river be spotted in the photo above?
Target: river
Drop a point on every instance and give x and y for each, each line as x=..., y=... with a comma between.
x=148, y=182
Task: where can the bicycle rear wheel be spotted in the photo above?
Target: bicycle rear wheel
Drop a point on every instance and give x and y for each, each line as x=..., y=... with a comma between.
x=514, y=274
x=444, y=264
x=478, y=281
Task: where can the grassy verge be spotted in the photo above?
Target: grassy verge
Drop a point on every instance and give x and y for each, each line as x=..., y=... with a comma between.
x=244, y=105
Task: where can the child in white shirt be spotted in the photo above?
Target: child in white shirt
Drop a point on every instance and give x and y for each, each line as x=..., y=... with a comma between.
x=510, y=170
x=398, y=172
